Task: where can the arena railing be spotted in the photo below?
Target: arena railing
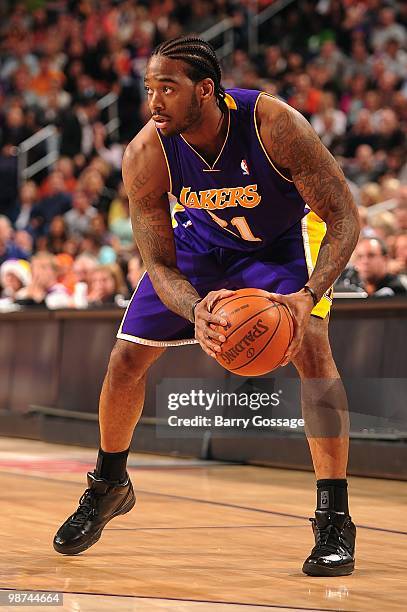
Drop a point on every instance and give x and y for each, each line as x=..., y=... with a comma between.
x=381, y=207
x=49, y=137
x=259, y=18
x=224, y=30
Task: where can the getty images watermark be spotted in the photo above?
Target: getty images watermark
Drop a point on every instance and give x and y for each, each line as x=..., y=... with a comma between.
x=235, y=406
x=188, y=411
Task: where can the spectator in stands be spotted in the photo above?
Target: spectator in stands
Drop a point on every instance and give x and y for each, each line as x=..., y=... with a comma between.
x=44, y=289
x=76, y=127
x=24, y=241
x=106, y=285
x=384, y=225
x=24, y=205
x=78, y=219
x=54, y=241
x=19, y=56
x=372, y=265
x=305, y=98
x=8, y=248
x=398, y=264
x=66, y=166
x=274, y=62
x=389, y=188
x=400, y=212
x=14, y=275
x=362, y=132
x=42, y=83
x=330, y=122
x=65, y=273
x=8, y=179
x=83, y=267
x=387, y=29
x=201, y=17
x=54, y=102
x=110, y=153
x=119, y=219
x=370, y=194
x=353, y=100
x=365, y=168
x=91, y=245
x=332, y=58
x=390, y=135
x=135, y=271
x=92, y=183
x=352, y=90
x=19, y=87
x=14, y=129
x=58, y=202
x=395, y=58
x=359, y=62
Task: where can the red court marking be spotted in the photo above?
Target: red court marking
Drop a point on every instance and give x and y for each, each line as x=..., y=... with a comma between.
x=48, y=465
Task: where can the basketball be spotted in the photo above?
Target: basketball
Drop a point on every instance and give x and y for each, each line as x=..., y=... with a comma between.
x=259, y=333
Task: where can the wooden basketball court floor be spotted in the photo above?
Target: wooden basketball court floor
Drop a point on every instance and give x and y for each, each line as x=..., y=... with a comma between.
x=203, y=537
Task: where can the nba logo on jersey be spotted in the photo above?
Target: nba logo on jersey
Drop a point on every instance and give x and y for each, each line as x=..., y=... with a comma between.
x=244, y=167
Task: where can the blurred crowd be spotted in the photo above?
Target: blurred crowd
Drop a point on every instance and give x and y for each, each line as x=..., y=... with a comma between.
x=65, y=234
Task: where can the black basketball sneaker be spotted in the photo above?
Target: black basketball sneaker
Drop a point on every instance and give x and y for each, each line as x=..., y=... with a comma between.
x=334, y=550
x=101, y=501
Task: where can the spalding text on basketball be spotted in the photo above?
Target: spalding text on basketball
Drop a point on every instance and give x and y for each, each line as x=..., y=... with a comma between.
x=257, y=330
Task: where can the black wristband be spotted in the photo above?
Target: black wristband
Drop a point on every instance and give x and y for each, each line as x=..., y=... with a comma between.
x=312, y=294
x=194, y=305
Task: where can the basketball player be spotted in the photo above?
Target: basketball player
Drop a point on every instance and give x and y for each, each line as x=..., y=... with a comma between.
x=261, y=203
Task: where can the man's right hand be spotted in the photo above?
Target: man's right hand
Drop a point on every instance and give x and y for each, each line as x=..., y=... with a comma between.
x=210, y=339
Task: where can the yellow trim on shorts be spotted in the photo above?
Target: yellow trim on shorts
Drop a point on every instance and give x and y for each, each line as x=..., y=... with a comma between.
x=136, y=340
x=313, y=232
x=177, y=208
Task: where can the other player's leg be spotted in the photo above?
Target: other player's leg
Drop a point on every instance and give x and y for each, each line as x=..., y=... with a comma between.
x=325, y=412
x=110, y=492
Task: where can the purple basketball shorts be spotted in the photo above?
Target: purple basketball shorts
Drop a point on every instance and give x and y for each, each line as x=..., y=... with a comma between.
x=283, y=268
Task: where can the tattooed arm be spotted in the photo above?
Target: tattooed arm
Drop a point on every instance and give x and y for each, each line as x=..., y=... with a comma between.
x=292, y=143
x=146, y=180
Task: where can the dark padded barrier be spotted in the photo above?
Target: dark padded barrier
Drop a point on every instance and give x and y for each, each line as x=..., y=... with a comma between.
x=52, y=366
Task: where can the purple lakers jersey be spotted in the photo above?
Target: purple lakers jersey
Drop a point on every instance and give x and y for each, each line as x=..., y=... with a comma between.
x=241, y=202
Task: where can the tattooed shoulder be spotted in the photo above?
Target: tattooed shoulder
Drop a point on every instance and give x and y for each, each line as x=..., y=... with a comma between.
x=144, y=169
x=293, y=144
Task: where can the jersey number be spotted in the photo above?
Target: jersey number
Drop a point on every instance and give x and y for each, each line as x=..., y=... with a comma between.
x=240, y=224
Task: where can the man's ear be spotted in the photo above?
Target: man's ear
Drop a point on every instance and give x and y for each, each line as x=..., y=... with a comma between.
x=206, y=89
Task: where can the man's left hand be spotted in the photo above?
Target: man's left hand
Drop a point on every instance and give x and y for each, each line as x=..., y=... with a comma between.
x=300, y=304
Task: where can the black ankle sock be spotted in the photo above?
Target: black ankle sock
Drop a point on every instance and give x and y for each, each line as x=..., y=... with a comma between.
x=111, y=466
x=332, y=494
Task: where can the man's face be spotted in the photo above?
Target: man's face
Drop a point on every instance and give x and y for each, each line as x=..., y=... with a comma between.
x=369, y=261
x=83, y=268
x=400, y=248
x=135, y=270
x=172, y=96
x=6, y=231
x=400, y=214
x=12, y=282
x=102, y=283
x=80, y=201
x=43, y=272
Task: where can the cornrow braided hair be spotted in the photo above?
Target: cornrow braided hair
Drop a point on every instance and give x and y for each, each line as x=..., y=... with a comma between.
x=201, y=59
